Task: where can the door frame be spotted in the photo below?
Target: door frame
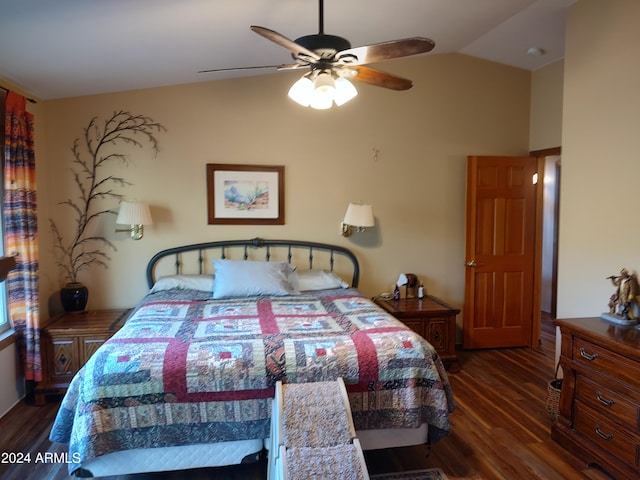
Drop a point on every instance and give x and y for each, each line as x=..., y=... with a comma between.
x=537, y=279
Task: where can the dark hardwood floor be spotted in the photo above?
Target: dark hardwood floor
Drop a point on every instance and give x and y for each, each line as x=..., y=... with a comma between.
x=500, y=429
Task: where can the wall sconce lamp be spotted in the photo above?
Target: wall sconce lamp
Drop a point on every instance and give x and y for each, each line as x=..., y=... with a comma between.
x=135, y=214
x=358, y=217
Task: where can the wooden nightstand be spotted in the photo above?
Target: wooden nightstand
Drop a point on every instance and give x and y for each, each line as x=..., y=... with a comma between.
x=68, y=341
x=431, y=318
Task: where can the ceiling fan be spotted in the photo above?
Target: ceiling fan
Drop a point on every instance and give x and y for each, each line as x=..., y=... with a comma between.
x=332, y=62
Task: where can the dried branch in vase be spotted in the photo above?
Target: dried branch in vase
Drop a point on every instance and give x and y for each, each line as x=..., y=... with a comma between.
x=92, y=153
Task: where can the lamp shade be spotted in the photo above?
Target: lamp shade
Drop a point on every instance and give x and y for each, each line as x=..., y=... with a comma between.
x=345, y=91
x=359, y=215
x=324, y=83
x=134, y=213
x=302, y=91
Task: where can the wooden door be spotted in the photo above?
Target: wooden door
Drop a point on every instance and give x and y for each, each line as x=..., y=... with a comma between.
x=500, y=252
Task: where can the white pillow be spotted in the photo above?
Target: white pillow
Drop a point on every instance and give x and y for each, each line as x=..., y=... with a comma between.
x=319, y=280
x=190, y=282
x=247, y=278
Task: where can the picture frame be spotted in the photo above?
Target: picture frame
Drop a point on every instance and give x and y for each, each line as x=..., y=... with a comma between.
x=245, y=194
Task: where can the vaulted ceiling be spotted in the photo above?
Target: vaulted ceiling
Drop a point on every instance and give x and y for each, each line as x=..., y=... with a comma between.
x=66, y=48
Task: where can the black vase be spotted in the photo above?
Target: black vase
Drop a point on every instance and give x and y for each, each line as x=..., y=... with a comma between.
x=74, y=296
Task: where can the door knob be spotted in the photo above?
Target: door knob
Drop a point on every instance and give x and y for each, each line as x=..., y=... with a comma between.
x=471, y=263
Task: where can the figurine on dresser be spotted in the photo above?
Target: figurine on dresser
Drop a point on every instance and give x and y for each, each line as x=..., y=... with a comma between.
x=622, y=304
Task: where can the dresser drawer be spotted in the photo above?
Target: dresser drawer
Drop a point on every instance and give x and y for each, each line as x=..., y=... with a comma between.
x=607, y=435
x=606, y=362
x=615, y=404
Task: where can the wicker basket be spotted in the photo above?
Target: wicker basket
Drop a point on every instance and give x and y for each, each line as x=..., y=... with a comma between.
x=552, y=405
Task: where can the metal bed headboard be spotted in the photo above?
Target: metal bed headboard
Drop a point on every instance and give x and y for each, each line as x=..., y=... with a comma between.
x=225, y=247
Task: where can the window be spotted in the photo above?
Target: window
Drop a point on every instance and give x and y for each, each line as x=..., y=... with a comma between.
x=4, y=312
x=5, y=324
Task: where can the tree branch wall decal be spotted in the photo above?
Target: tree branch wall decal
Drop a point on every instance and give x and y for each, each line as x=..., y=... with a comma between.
x=92, y=153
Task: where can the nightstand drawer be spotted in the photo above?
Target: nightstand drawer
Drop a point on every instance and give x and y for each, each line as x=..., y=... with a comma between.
x=607, y=435
x=64, y=359
x=416, y=325
x=432, y=319
x=90, y=345
x=68, y=341
x=436, y=333
x=616, y=405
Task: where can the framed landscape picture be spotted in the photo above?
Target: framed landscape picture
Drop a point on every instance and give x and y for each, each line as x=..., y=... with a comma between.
x=245, y=194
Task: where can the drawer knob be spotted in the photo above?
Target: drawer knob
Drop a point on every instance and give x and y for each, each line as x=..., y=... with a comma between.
x=603, y=435
x=586, y=355
x=604, y=401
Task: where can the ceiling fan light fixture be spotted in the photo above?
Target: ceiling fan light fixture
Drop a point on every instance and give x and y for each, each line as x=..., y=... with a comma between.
x=345, y=91
x=324, y=91
x=302, y=91
x=321, y=101
x=321, y=92
x=324, y=83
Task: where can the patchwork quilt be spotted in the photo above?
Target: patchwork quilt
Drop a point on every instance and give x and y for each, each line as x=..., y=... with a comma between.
x=186, y=369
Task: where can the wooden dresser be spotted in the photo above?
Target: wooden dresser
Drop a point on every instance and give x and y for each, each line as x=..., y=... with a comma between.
x=68, y=341
x=431, y=318
x=600, y=400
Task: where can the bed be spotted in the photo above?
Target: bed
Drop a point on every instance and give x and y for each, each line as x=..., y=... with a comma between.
x=189, y=379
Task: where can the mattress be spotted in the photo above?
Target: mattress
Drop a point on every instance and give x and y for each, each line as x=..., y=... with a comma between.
x=165, y=459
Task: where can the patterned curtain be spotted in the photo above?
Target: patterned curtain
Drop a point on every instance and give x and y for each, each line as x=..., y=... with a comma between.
x=21, y=232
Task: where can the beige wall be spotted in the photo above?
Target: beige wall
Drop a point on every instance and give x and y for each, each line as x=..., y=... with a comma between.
x=459, y=106
x=600, y=166
x=546, y=107
x=12, y=379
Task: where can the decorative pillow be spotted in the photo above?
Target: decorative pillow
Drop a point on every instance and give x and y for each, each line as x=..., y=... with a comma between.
x=319, y=280
x=185, y=282
x=247, y=278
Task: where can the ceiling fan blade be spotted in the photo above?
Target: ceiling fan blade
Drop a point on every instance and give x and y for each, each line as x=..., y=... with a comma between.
x=292, y=66
x=385, y=51
x=378, y=78
x=298, y=50
x=231, y=69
